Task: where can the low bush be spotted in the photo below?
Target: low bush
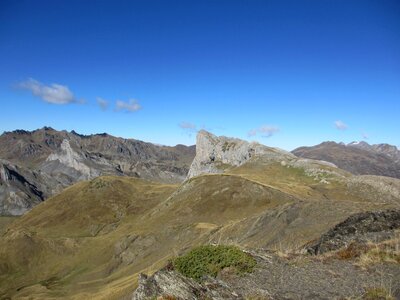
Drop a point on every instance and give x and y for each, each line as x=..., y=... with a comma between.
x=210, y=260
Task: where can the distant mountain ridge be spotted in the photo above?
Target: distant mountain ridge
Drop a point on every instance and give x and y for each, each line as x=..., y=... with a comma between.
x=37, y=164
x=387, y=149
x=359, y=158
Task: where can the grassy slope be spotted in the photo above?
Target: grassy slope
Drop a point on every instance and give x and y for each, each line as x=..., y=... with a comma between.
x=95, y=237
x=5, y=221
x=67, y=244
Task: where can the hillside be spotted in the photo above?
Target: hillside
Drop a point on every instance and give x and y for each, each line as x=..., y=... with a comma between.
x=359, y=158
x=93, y=239
x=37, y=164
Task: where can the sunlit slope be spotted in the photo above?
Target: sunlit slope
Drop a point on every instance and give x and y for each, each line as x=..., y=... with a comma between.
x=92, y=207
x=65, y=244
x=92, y=240
x=101, y=233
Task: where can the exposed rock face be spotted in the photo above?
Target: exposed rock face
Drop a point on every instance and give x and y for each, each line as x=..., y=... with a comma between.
x=170, y=283
x=214, y=154
x=51, y=160
x=359, y=158
x=218, y=154
x=68, y=157
x=17, y=193
x=361, y=227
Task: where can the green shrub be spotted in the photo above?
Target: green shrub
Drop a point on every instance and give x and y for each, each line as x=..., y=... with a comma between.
x=209, y=260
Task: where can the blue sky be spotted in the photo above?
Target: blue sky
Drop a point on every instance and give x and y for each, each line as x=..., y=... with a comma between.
x=280, y=72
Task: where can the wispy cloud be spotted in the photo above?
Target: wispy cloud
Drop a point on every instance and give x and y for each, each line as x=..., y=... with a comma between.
x=365, y=136
x=252, y=132
x=188, y=128
x=102, y=103
x=54, y=93
x=341, y=125
x=187, y=125
x=131, y=106
x=264, y=131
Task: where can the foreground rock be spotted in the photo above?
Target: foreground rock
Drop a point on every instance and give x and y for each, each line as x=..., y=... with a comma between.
x=275, y=277
x=337, y=275
x=170, y=283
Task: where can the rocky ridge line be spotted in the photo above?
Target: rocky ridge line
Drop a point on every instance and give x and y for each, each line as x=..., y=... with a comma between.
x=50, y=160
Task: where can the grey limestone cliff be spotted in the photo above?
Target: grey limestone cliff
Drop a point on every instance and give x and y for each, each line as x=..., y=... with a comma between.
x=214, y=154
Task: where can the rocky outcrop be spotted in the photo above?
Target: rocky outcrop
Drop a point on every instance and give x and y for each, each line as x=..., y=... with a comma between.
x=71, y=159
x=170, y=283
x=215, y=154
x=218, y=154
x=361, y=227
x=51, y=160
x=17, y=193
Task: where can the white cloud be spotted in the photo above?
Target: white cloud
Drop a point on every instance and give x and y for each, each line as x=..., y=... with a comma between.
x=340, y=125
x=54, y=93
x=268, y=131
x=131, y=106
x=102, y=103
x=265, y=131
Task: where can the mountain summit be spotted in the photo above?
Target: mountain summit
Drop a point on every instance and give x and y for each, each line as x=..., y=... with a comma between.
x=214, y=154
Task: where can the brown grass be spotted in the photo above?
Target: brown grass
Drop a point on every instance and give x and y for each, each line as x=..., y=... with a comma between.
x=379, y=253
x=354, y=250
x=378, y=293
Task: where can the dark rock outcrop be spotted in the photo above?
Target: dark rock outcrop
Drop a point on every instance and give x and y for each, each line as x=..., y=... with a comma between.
x=361, y=227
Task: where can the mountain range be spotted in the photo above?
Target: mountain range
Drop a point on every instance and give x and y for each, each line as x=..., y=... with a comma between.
x=95, y=238
x=359, y=158
x=35, y=165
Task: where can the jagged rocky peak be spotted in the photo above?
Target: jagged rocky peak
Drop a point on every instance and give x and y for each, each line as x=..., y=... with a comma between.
x=214, y=153
x=387, y=149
